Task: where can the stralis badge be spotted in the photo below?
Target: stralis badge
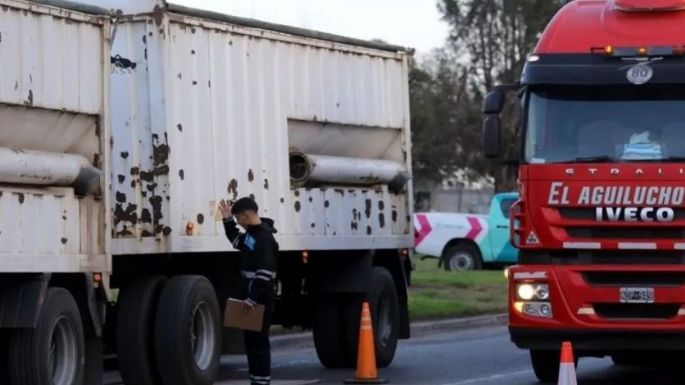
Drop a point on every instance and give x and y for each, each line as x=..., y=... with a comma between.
x=640, y=74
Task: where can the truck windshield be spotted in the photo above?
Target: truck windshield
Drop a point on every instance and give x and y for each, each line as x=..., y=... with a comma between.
x=605, y=124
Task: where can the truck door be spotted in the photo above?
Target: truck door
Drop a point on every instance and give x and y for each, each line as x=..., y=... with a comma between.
x=503, y=251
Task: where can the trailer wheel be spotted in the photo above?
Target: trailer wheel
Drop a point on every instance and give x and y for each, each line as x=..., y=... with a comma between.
x=329, y=333
x=385, y=315
x=53, y=352
x=134, y=335
x=545, y=365
x=461, y=258
x=188, y=332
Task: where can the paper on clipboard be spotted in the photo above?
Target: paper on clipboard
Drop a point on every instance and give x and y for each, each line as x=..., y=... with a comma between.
x=236, y=316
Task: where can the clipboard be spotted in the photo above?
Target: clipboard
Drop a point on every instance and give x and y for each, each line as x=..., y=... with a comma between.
x=236, y=317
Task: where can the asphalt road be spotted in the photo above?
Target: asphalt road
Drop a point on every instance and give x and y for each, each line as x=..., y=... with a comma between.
x=472, y=357
x=469, y=357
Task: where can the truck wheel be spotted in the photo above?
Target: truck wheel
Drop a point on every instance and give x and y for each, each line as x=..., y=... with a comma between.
x=188, y=332
x=329, y=333
x=545, y=365
x=385, y=315
x=134, y=335
x=53, y=352
x=461, y=258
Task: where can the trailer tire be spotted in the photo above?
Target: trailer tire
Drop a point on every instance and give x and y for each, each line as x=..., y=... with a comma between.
x=188, y=332
x=135, y=331
x=545, y=365
x=329, y=333
x=60, y=330
x=461, y=258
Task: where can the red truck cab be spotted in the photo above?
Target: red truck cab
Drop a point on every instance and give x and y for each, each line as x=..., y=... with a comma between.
x=600, y=223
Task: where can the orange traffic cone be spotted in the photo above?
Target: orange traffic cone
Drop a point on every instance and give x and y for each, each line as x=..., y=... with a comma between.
x=366, y=356
x=567, y=366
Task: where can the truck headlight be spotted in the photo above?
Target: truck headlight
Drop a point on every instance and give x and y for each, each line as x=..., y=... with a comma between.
x=533, y=291
x=537, y=309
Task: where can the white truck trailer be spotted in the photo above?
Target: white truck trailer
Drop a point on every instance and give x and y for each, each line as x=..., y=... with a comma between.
x=124, y=123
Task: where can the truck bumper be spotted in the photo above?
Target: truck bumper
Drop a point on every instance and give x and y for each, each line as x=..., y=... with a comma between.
x=597, y=340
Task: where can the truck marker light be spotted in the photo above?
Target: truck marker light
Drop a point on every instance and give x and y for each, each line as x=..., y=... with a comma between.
x=681, y=311
x=533, y=58
x=609, y=50
x=642, y=51
x=586, y=311
x=506, y=272
x=533, y=275
x=518, y=306
x=679, y=246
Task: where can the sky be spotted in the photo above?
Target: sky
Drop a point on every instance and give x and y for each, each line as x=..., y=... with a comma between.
x=411, y=23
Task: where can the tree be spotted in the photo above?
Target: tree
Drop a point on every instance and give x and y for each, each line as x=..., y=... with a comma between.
x=494, y=38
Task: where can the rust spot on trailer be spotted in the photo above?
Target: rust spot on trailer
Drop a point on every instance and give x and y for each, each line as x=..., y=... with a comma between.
x=144, y=194
x=381, y=205
x=192, y=30
x=29, y=100
x=21, y=198
x=297, y=193
x=311, y=199
x=135, y=171
x=192, y=52
x=157, y=14
x=266, y=184
x=326, y=204
x=200, y=219
x=369, y=230
x=368, y=208
x=147, y=234
x=298, y=206
x=133, y=184
x=313, y=225
x=394, y=214
x=354, y=226
x=181, y=174
x=120, y=197
x=123, y=63
x=145, y=216
x=125, y=215
x=180, y=127
x=124, y=232
x=180, y=75
x=252, y=196
x=282, y=200
x=250, y=175
x=124, y=154
x=151, y=187
x=194, y=82
x=64, y=241
x=233, y=188
x=381, y=220
x=166, y=231
x=147, y=176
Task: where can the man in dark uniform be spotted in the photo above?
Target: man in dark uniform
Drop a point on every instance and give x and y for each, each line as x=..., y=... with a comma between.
x=260, y=254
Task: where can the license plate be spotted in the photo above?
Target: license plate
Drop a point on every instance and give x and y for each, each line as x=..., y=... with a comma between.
x=637, y=295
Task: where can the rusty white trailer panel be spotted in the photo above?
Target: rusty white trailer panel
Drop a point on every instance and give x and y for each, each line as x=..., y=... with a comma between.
x=52, y=100
x=204, y=110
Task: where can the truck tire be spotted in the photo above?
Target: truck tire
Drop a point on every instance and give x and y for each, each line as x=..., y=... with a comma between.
x=54, y=352
x=385, y=315
x=330, y=339
x=461, y=258
x=188, y=332
x=545, y=365
x=135, y=331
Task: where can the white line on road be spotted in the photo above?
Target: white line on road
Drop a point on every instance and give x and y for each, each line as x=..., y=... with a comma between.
x=489, y=378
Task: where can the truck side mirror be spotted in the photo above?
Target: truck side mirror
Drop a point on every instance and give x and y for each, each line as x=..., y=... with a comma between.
x=492, y=136
x=494, y=102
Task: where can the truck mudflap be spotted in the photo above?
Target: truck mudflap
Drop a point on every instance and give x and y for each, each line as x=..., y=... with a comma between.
x=597, y=340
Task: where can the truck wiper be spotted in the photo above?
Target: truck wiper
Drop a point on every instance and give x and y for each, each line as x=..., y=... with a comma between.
x=593, y=159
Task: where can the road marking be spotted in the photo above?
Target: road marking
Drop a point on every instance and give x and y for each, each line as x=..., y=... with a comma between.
x=489, y=378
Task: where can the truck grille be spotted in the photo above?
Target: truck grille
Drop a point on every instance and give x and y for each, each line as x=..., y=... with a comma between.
x=636, y=311
x=636, y=278
x=636, y=232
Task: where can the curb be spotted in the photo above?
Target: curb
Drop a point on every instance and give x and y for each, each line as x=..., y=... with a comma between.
x=304, y=340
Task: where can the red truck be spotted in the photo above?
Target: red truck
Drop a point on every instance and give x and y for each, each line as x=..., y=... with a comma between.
x=600, y=223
